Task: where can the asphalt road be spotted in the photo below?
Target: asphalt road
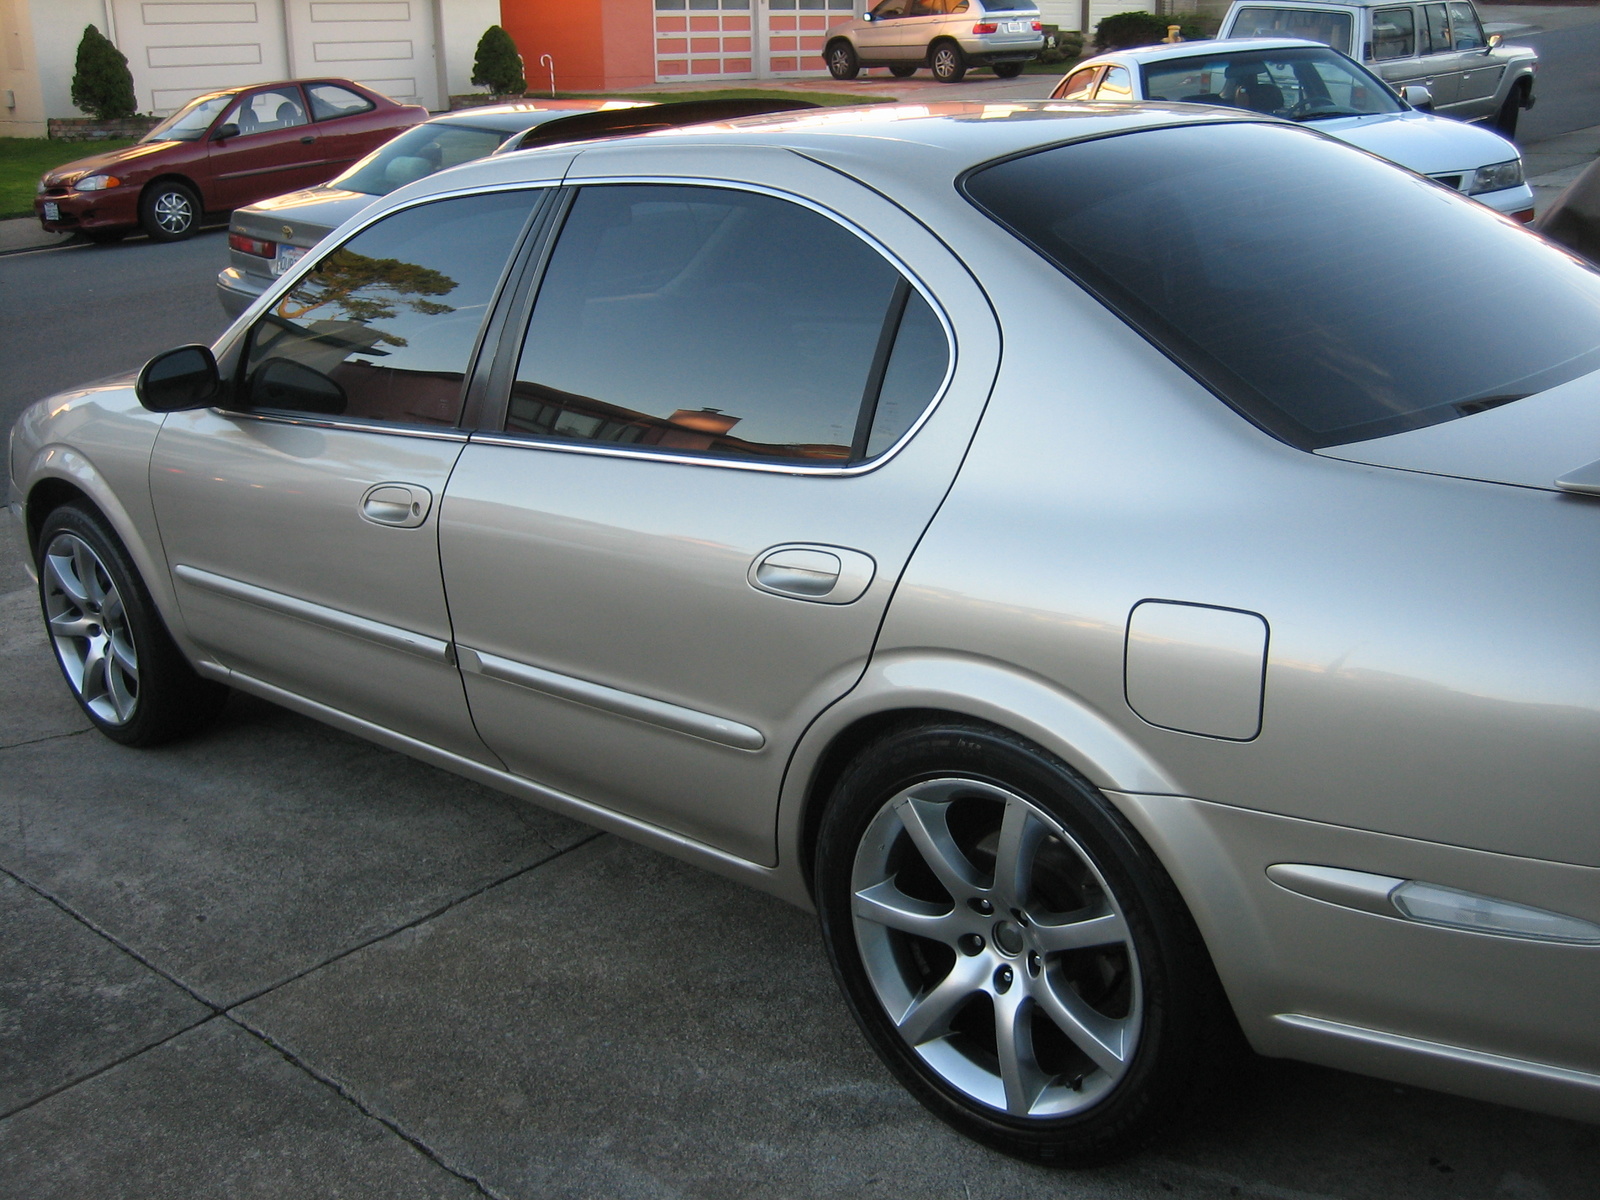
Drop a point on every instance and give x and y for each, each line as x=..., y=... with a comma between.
x=1568, y=87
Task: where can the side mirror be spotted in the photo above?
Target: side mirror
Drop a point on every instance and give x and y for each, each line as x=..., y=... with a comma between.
x=230, y=130
x=1493, y=43
x=179, y=379
x=1417, y=97
x=284, y=383
x=866, y=16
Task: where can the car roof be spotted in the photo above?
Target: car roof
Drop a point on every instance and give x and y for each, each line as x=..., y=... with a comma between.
x=521, y=114
x=1150, y=54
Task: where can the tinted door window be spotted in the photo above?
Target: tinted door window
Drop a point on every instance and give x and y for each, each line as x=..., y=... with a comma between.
x=722, y=322
x=383, y=328
x=1329, y=28
x=273, y=108
x=1116, y=85
x=1078, y=85
x=1435, y=33
x=1465, y=31
x=1393, y=34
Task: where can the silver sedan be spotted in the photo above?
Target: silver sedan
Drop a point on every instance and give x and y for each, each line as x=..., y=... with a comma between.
x=1107, y=559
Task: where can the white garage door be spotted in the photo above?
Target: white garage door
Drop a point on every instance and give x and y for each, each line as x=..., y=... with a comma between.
x=386, y=44
x=178, y=49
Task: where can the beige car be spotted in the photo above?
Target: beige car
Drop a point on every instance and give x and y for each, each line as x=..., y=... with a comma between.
x=946, y=36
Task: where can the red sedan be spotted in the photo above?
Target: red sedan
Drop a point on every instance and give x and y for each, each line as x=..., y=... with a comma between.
x=219, y=152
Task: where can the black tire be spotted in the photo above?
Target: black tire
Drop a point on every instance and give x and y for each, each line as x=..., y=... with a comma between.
x=1505, y=121
x=947, y=62
x=903, y=70
x=1140, y=977
x=118, y=659
x=842, y=60
x=1008, y=70
x=169, y=211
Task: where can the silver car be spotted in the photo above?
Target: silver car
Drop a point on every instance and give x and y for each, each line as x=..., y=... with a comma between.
x=946, y=36
x=1107, y=559
x=1311, y=83
x=265, y=239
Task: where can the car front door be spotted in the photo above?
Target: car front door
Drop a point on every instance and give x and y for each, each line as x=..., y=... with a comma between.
x=301, y=523
x=884, y=37
x=273, y=151
x=1438, y=59
x=1480, y=71
x=678, y=548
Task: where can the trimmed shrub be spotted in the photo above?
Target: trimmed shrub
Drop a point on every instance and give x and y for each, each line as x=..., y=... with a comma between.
x=497, y=65
x=102, y=85
x=1061, y=47
x=1122, y=30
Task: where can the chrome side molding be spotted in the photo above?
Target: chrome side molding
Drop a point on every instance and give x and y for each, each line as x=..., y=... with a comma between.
x=613, y=700
x=1431, y=904
x=392, y=636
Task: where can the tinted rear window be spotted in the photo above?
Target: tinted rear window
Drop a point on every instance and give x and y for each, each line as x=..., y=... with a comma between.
x=1324, y=294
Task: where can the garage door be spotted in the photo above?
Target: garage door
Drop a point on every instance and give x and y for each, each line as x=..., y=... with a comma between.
x=386, y=44
x=177, y=49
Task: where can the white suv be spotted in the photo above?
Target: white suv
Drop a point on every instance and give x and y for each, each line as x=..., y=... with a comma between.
x=946, y=36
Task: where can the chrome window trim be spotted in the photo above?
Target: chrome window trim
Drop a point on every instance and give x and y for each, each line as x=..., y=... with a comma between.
x=452, y=434
x=689, y=458
x=392, y=637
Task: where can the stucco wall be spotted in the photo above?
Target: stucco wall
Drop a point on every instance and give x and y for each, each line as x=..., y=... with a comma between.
x=22, y=104
x=57, y=30
x=461, y=24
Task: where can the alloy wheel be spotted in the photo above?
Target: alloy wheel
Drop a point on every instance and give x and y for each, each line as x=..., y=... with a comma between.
x=996, y=948
x=89, y=628
x=173, y=212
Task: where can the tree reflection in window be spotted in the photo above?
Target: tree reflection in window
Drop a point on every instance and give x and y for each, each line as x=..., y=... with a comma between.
x=383, y=327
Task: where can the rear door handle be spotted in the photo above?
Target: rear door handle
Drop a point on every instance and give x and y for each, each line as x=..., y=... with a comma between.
x=822, y=574
x=403, y=505
x=308, y=139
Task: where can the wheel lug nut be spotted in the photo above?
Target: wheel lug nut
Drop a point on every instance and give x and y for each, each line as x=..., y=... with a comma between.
x=980, y=906
x=1002, y=980
x=970, y=944
x=1020, y=916
x=1034, y=963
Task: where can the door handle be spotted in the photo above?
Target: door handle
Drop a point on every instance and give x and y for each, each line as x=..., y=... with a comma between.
x=403, y=505
x=308, y=139
x=822, y=574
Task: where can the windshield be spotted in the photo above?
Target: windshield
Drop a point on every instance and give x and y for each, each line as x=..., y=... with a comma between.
x=1303, y=85
x=1329, y=28
x=1326, y=295
x=418, y=152
x=1010, y=5
x=189, y=123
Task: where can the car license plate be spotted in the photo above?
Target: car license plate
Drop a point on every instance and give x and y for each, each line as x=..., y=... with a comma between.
x=1016, y=27
x=287, y=257
x=52, y=211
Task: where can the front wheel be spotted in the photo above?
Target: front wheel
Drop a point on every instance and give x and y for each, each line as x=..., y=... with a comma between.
x=1008, y=70
x=169, y=211
x=1505, y=121
x=1010, y=947
x=842, y=61
x=110, y=643
x=947, y=62
x=903, y=70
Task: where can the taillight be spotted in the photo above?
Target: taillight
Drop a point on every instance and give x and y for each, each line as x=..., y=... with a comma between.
x=986, y=27
x=1038, y=26
x=250, y=245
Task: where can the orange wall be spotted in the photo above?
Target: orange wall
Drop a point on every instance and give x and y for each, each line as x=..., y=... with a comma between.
x=596, y=44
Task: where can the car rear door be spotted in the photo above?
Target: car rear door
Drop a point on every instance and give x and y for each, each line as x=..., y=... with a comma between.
x=301, y=523
x=676, y=548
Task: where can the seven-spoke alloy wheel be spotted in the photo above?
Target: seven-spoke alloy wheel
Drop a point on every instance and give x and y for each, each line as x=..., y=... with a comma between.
x=118, y=659
x=1012, y=949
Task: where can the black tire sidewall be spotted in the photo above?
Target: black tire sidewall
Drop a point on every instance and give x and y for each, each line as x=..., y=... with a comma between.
x=1178, y=989
x=172, y=700
x=147, y=211
x=843, y=50
x=959, y=70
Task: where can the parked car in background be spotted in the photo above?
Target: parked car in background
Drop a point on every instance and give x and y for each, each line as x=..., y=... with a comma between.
x=725, y=489
x=1440, y=46
x=267, y=238
x=1310, y=83
x=219, y=152
x=946, y=36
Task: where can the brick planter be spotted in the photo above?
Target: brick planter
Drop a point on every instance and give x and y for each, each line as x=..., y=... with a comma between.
x=87, y=129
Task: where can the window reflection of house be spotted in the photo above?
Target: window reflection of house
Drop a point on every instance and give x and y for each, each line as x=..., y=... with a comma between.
x=546, y=412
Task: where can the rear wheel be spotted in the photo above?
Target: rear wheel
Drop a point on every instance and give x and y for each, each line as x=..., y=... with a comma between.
x=947, y=62
x=120, y=663
x=903, y=70
x=1008, y=70
x=169, y=211
x=842, y=61
x=1011, y=948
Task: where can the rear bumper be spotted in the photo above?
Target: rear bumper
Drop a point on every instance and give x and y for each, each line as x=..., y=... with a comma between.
x=237, y=291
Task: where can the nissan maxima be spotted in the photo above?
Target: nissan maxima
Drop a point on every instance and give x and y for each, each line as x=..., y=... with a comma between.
x=1110, y=561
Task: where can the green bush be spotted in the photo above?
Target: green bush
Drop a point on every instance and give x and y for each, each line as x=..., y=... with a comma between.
x=497, y=65
x=1123, y=30
x=102, y=85
x=1061, y=47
